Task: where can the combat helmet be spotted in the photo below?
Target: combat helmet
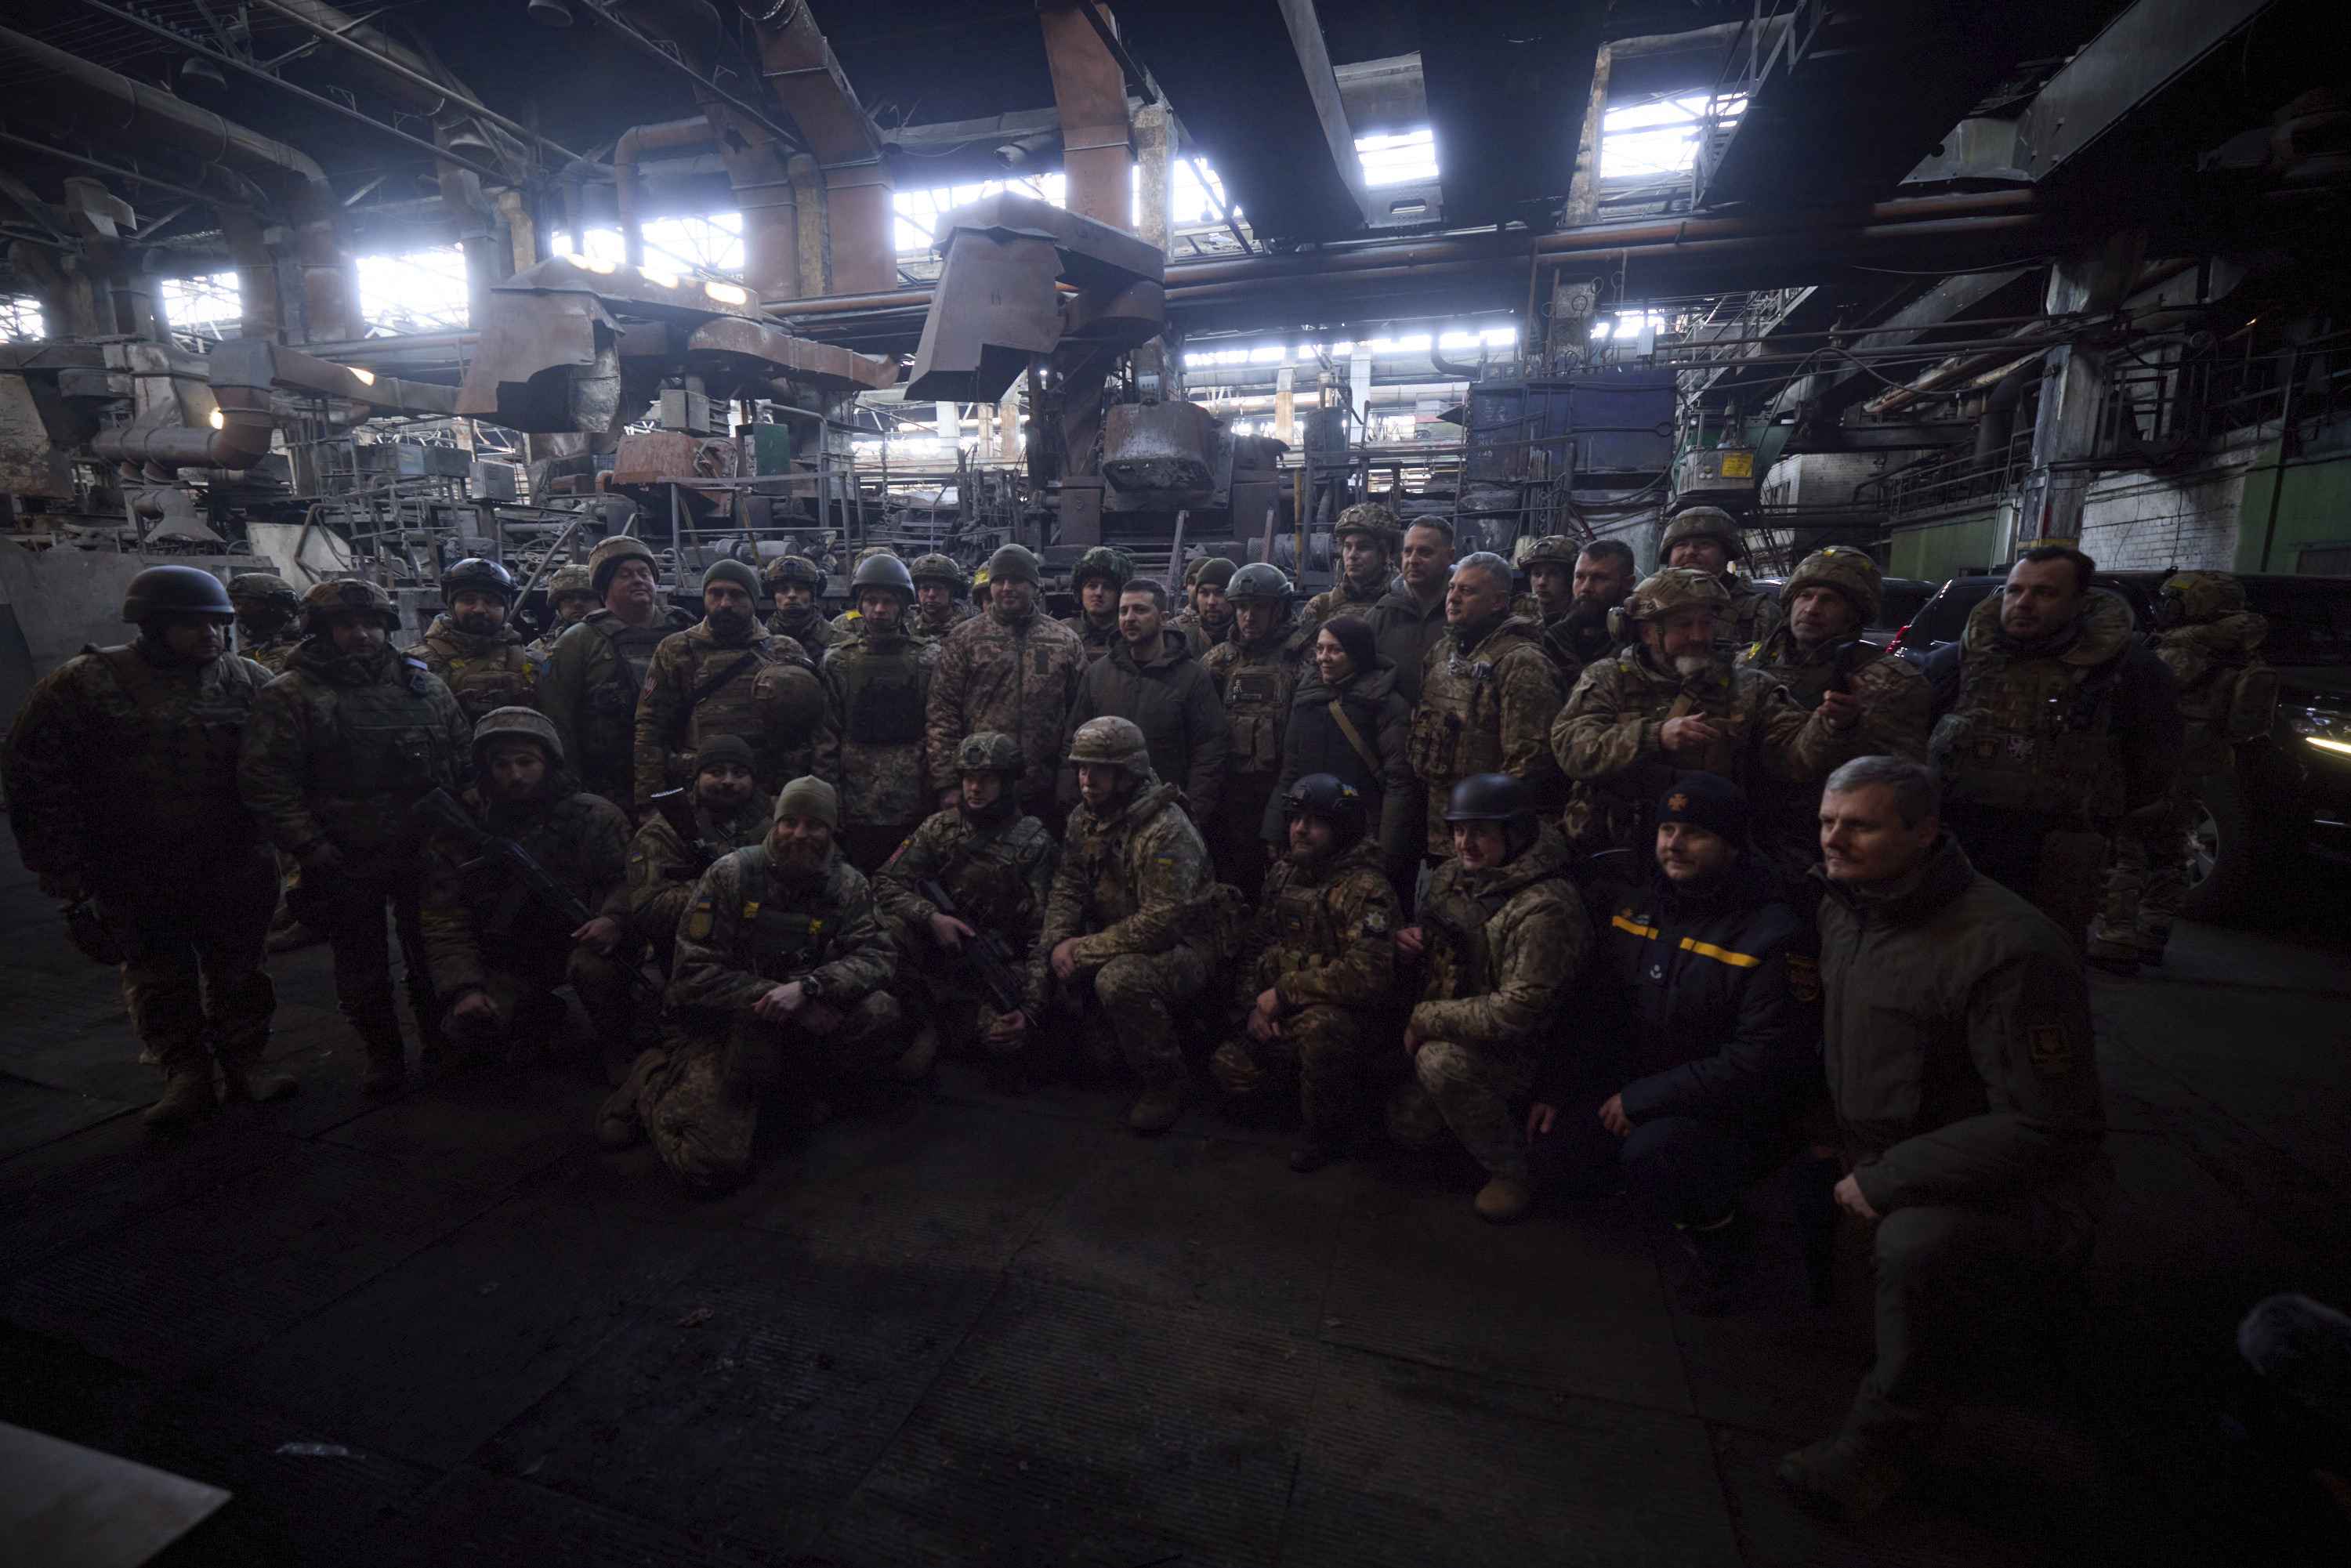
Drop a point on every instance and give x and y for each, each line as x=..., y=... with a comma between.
x=1372, y=517
x=794, y=568
x=566, y=580
x=1332, y=799
x=2191, y=598
x=175, y=591
x=1663, y=591
x=939, y=568
x=989, y=751
x=1844, y=569
x=346, y=596
x=475, y=575
x=884, y=571
x=606, y=558
x=271, y=589
x=1259, y=579
x=1553, y=550
x=516, y=723
x=1496, y=798
x=1701, y=523
x=1102, y=561
x=1112, y=742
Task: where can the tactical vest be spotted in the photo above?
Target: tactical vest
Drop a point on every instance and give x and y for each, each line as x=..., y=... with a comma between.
x=177, y=779
x=728, y=705
x=390, y=740
x=1778, y=657
x=1257, y=701
x=780, y=933
x=2033, y=733
x=986, y=880
x=503, y=679
x=1461, y=959
x=1456, y=727
x=881, y=695
x=2230, y=698
x=612, y=722
x=1305, y=934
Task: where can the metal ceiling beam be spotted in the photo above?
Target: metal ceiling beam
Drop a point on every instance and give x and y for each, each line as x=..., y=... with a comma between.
x=1508, y=83
x=2133, y=59
x=1323, y=86
x=676, y=67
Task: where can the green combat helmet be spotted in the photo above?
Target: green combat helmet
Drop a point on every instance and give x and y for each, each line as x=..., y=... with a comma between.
x=1102, y=561
x=1372, y=517
x=2195, y=598
x=1661, y=593
x=989, y=751
x=1258, y=581
x=1112, y=742
x=327, y=601
x=882, y=571
x=1844, y=569
x=1702, y=522
x=937, y=568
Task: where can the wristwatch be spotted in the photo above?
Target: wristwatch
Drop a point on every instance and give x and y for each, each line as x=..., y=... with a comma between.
x=812, y=989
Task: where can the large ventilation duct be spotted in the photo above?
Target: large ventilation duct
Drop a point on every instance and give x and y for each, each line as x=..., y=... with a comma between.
x=636, y=144
x=809, y=81
x=102, y=104
x=1090, y=91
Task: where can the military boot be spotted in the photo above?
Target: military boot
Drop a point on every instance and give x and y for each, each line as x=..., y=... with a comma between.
x=387, y=1065
x=187, y=1094
x=1156, y=1109
x=249, y=1079
x=915, y=1064
x=1841, y=1478
x=1503, y=1199
x=619, y=1121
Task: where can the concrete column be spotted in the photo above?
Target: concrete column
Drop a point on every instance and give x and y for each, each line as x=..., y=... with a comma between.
x=809, y=211
x=1154, y=211
x=1584, y=190
x=1008, y=426
x=950, y=423
x=1091, y=95
x=1285, y=400
x=2073, y=393
x=1359, y=385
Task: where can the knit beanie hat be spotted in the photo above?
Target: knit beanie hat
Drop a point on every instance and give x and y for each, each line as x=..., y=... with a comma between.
x=1704, y=800
x=733, y=571
x=1354, y=636
x=1013, y=563
x=810, y=797
x=721, y=748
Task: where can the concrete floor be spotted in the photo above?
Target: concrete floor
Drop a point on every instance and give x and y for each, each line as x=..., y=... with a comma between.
x=959, y=1327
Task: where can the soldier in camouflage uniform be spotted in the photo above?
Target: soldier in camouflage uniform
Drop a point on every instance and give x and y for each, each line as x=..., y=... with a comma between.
x=728, y=814
x=1831, y=596
x=591, y=683
x=870, y=742
x=1500, y=938
x=939, y=607
x=469, y=646
x=1673, y=702
x=340, y=749
x=1096, y=580
x=1706, y=539
x=782, y=976
x=1487, y=696
x=1256, y=670
x=570, y=596
x=498, y=952
x=726, y=676
x=1012, y=671
x=1208, y=617
x=1366, y=535
x=267, y=613
x=120, y=774
x=1130, y=927
x=1314, y=970
x=997, y=865
x=795, y=581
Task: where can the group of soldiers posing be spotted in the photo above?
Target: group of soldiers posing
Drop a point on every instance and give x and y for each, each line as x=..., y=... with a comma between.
x=1616, y=885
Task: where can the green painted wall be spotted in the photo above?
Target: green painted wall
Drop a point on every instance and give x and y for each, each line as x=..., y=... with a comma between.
x=2314, y=505
x=1945, y=549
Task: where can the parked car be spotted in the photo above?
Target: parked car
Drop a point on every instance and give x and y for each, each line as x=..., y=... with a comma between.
x=2290, y=794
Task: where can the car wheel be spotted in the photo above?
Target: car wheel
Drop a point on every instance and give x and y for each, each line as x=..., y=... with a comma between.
x=2221, y=862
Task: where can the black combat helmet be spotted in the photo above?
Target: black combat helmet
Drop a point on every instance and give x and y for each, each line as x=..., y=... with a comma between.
x=475, y=575
x=175, y=591
x=1496, y=798
x=1333, y=799
x=883, y=571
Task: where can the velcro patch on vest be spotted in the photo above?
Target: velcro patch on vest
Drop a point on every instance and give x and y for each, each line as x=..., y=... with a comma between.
x=1803, y=977
x=2052, y=1052
x=2020, y=748
x=1375, y=923
x=698, y=920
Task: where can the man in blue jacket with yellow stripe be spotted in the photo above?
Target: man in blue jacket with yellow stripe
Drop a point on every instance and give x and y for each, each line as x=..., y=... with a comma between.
x=1686, y=1079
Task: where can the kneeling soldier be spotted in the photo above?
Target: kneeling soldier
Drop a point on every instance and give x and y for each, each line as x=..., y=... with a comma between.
x=783, y=971
x=1315, y=965
x=1131, y=923
x=727, y=813
x=496, y=949
x=996, y=866
x=1501, y=936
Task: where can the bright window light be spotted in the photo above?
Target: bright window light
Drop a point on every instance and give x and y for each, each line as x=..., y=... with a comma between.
x=20, y=318
x=209, y=306
x=422, y=291
x=919, y=211
x=683, y=247
x=1402, y=159
x=1660, y=137
x=1627, y=326
x=1193, y=202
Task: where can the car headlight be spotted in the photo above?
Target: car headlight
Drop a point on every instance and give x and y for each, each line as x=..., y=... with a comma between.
x=2327, y=728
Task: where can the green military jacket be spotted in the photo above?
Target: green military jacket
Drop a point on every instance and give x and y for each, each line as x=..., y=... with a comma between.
x=1341, y=598
x=1895, y=704
x=1501, y=948
x=1015, y=678
x=341, y=749
x=1136, y=880
x=481, y=673
x=1751, y=616
x=1486, y=708
x=1098, y=640
x=1958, y=1047
x=1000, y=874
x=752, y=926
x=588, y=692
x=122, y=763
x=811, y=630
x=937, y=627
x=1607, y=741
x=1258, y=683
x=2227, y=693
x=759, y=686
x=1323, y=936
x=271, y=652
x=1197, y=634
x=579, y=839
x=662, y=870
x=870, y=743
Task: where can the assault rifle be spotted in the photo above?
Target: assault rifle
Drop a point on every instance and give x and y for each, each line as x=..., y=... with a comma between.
x=527, y=880
x=677, y=810
x=988, y=955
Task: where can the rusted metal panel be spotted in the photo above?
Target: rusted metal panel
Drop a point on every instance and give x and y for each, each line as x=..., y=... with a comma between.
x=1159, y=447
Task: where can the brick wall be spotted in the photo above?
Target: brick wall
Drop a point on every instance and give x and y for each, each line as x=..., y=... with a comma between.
x=2152, y=522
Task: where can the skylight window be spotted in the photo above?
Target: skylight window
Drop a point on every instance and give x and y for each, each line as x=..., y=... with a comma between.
x=20, y=318
x=919, y=211
x=207, y=306
x=1404, y=158
x=1643, y=140
x=422, y=291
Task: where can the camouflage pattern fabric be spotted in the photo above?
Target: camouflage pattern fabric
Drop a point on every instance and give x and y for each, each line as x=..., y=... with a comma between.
x=1016, y=677
x=871, y=740
x=768, y=694
x=1486, y=708
x=481, y=673
x=657, y=892
x=1896, y=703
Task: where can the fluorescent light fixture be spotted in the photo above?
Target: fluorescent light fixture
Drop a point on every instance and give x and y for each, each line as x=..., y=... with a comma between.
x=727, y=293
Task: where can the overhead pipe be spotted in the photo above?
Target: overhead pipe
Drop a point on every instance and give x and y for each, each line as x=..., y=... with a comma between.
x=802, y=72
x=1090, y=94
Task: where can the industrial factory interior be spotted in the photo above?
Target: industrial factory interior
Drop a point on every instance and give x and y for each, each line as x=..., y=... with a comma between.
x=921, y=369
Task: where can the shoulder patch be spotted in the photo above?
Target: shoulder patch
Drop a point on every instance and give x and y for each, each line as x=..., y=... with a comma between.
x=698, y=920
x=2052, y=1052
x=1375, y=923
x=1803, y=977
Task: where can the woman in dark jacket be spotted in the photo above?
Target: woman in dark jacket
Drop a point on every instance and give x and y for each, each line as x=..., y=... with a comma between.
x=1347, y=672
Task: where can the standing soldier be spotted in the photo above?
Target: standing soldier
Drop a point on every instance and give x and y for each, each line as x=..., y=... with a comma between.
x=592, y=679
x=1486, y=700
x=796, y=581
x=1831, y=596
x=1096, y=580
x=1154, y=679
x=1012, y=671
x=1256, y=672
x=341, y=749
x=570, y=595
x=1550, y=565
x=997, y=865
x=470, y=647
x=1673, y=702
x=1704, y=538
x=1500, y=938
x=1208, y=616
x=2053, y=730
x=1367, y=534
x=1131, y=922
x=782, y=974
x=496, y=950
x=1410, y=617
x=726, y=675
x=121, y=773
x=266, y=610
x=877, y=693
x=938, y=607
x=1604, y=576
x=2228, y=695
x=1313, y=971
x=725, y=814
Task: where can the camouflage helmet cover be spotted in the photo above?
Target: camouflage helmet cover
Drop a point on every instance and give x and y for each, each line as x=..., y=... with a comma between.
x=1701, y=523
x=1102, y=561
x=344, y=595
x=1112, y=742
x=1844, y=569
x=263, y=586
x=2204, y=595
x=606, y=558
x=519, y=724
x=794, y=568
x=1673, y=588
x=566, y=580
x=940, y=567
x=1370, y=517
x=1554, y=550
x=989, y=751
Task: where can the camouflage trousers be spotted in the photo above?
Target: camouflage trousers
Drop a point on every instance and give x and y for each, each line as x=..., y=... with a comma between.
x=194, y=972
x=1478, y=1093
x=522, y=985
x=2149, y=880
x=698, y=1100
x=1132, y=1018
x=1317, y=1057
x=349, y=906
